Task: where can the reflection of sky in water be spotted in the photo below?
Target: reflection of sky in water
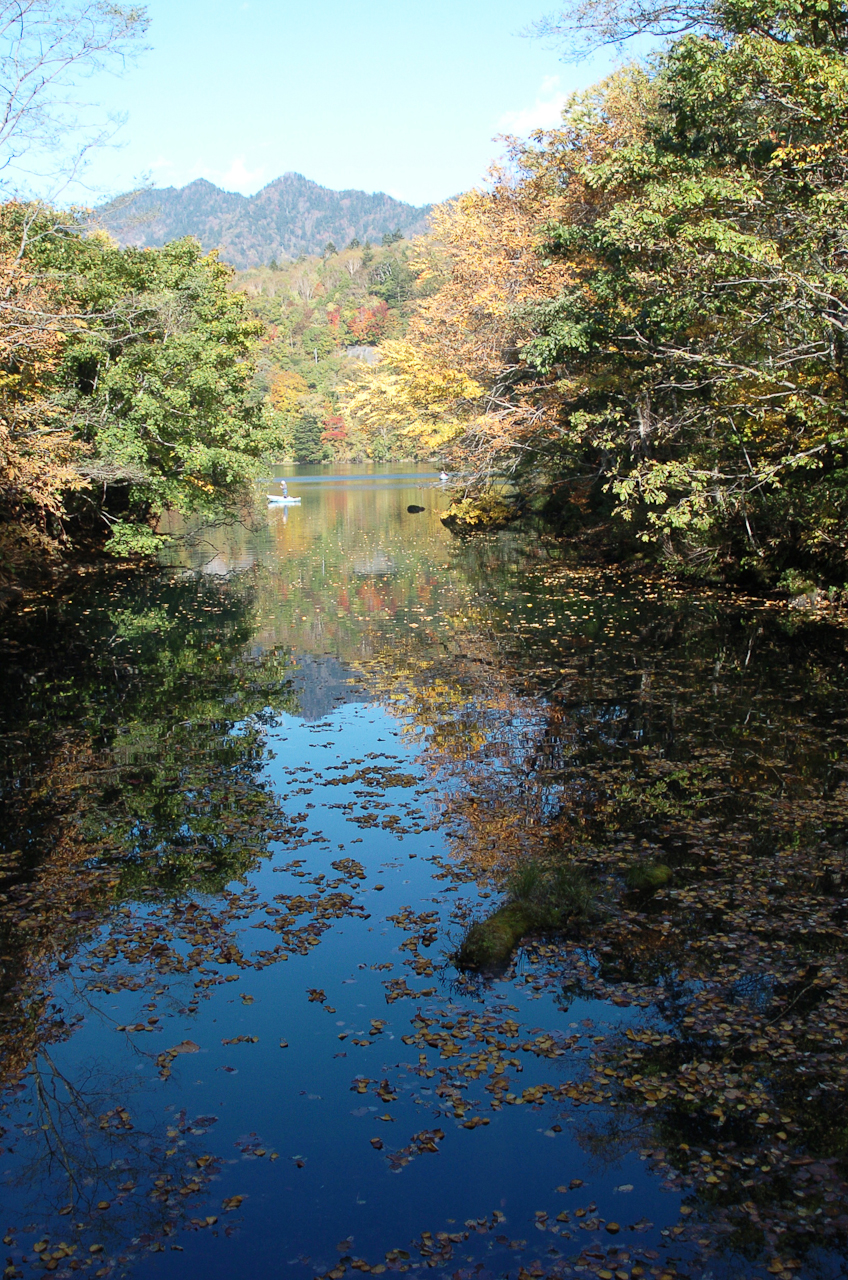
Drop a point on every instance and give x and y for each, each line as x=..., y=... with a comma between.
x=328, y=1182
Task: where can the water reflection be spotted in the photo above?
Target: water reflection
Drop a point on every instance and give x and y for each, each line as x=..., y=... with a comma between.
x=249, y=812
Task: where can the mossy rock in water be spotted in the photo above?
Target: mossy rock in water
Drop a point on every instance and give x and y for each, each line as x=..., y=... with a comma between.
x=486, y=511
x=541, y=900
x=646, y=877
x=489, y=944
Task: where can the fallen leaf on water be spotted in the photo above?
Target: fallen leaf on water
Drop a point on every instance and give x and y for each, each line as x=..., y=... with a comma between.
x=185, y=1046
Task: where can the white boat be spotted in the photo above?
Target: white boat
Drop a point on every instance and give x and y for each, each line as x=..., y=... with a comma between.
x=275, y=500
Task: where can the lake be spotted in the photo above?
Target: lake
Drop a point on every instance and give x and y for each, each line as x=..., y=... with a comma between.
x=254, y=801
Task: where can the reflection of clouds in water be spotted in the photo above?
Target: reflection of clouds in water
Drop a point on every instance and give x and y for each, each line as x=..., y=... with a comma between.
x=374, y=565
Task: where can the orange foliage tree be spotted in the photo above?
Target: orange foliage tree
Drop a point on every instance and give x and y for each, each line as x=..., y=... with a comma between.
x=39, y=456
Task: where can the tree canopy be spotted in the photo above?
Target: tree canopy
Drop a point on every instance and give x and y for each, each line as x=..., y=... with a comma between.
x=324, y=317
x=653, y=295
x=126, y=383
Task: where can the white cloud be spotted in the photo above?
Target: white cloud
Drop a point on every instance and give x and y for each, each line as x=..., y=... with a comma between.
x=543, y=114
x=239, y=178
x=161, y=165
x=236, y=177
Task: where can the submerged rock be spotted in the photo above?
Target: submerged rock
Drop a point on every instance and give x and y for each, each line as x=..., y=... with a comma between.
x=811, y=599
x=645, y=877
x=489, y=944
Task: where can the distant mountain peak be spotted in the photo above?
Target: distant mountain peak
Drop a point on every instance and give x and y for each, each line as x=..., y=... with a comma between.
x=203, y=184
x=289, y=216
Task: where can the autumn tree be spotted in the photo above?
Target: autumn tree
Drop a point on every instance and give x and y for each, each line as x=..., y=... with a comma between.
x=39, y=455
x=653, y=296
x=457, y=378
x=135, y=386
x=307, y=435
x=701, y=361
x=47, y=127
x=352, y=304
x=412, y=396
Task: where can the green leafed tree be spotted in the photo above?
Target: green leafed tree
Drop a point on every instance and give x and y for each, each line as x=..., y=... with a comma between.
x=154, y=380
x=701, y=344
x=307, y=441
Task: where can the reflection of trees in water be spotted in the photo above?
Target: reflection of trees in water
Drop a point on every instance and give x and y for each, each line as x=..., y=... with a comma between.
x=135, y=776
x=134, y=769
x=706, y=745
x=322, y=683
x=139, y=780
x=91, y=1172
x=608, y=1137
x=578, y=737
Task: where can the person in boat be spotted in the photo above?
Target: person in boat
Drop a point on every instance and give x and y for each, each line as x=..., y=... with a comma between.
x=285, y=488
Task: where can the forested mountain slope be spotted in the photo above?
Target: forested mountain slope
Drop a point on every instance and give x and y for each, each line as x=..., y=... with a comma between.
x=289, y=217
x=323, y=317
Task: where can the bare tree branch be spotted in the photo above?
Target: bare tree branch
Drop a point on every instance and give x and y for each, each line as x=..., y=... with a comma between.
x=46, y=48
x=582, y=27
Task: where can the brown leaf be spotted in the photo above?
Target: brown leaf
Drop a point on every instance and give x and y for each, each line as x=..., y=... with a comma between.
x=185, y=1046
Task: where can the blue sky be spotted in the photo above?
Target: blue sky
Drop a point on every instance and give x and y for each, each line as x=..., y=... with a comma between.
x=390, y=96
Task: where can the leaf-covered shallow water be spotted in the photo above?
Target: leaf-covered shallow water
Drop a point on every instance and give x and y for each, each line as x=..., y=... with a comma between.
x=251, y=806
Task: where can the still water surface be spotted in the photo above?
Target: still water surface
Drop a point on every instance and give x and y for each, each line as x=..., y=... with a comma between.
x=252, y=804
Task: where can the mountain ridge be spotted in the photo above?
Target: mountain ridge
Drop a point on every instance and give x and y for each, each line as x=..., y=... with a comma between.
x=290, y=216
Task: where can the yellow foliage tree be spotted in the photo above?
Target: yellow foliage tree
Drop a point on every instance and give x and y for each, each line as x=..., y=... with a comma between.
x=458, y=379
x=413, y=393
x=286, y=389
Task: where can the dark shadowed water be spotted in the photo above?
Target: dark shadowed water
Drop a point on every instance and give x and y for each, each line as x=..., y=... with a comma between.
x=251, y=805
